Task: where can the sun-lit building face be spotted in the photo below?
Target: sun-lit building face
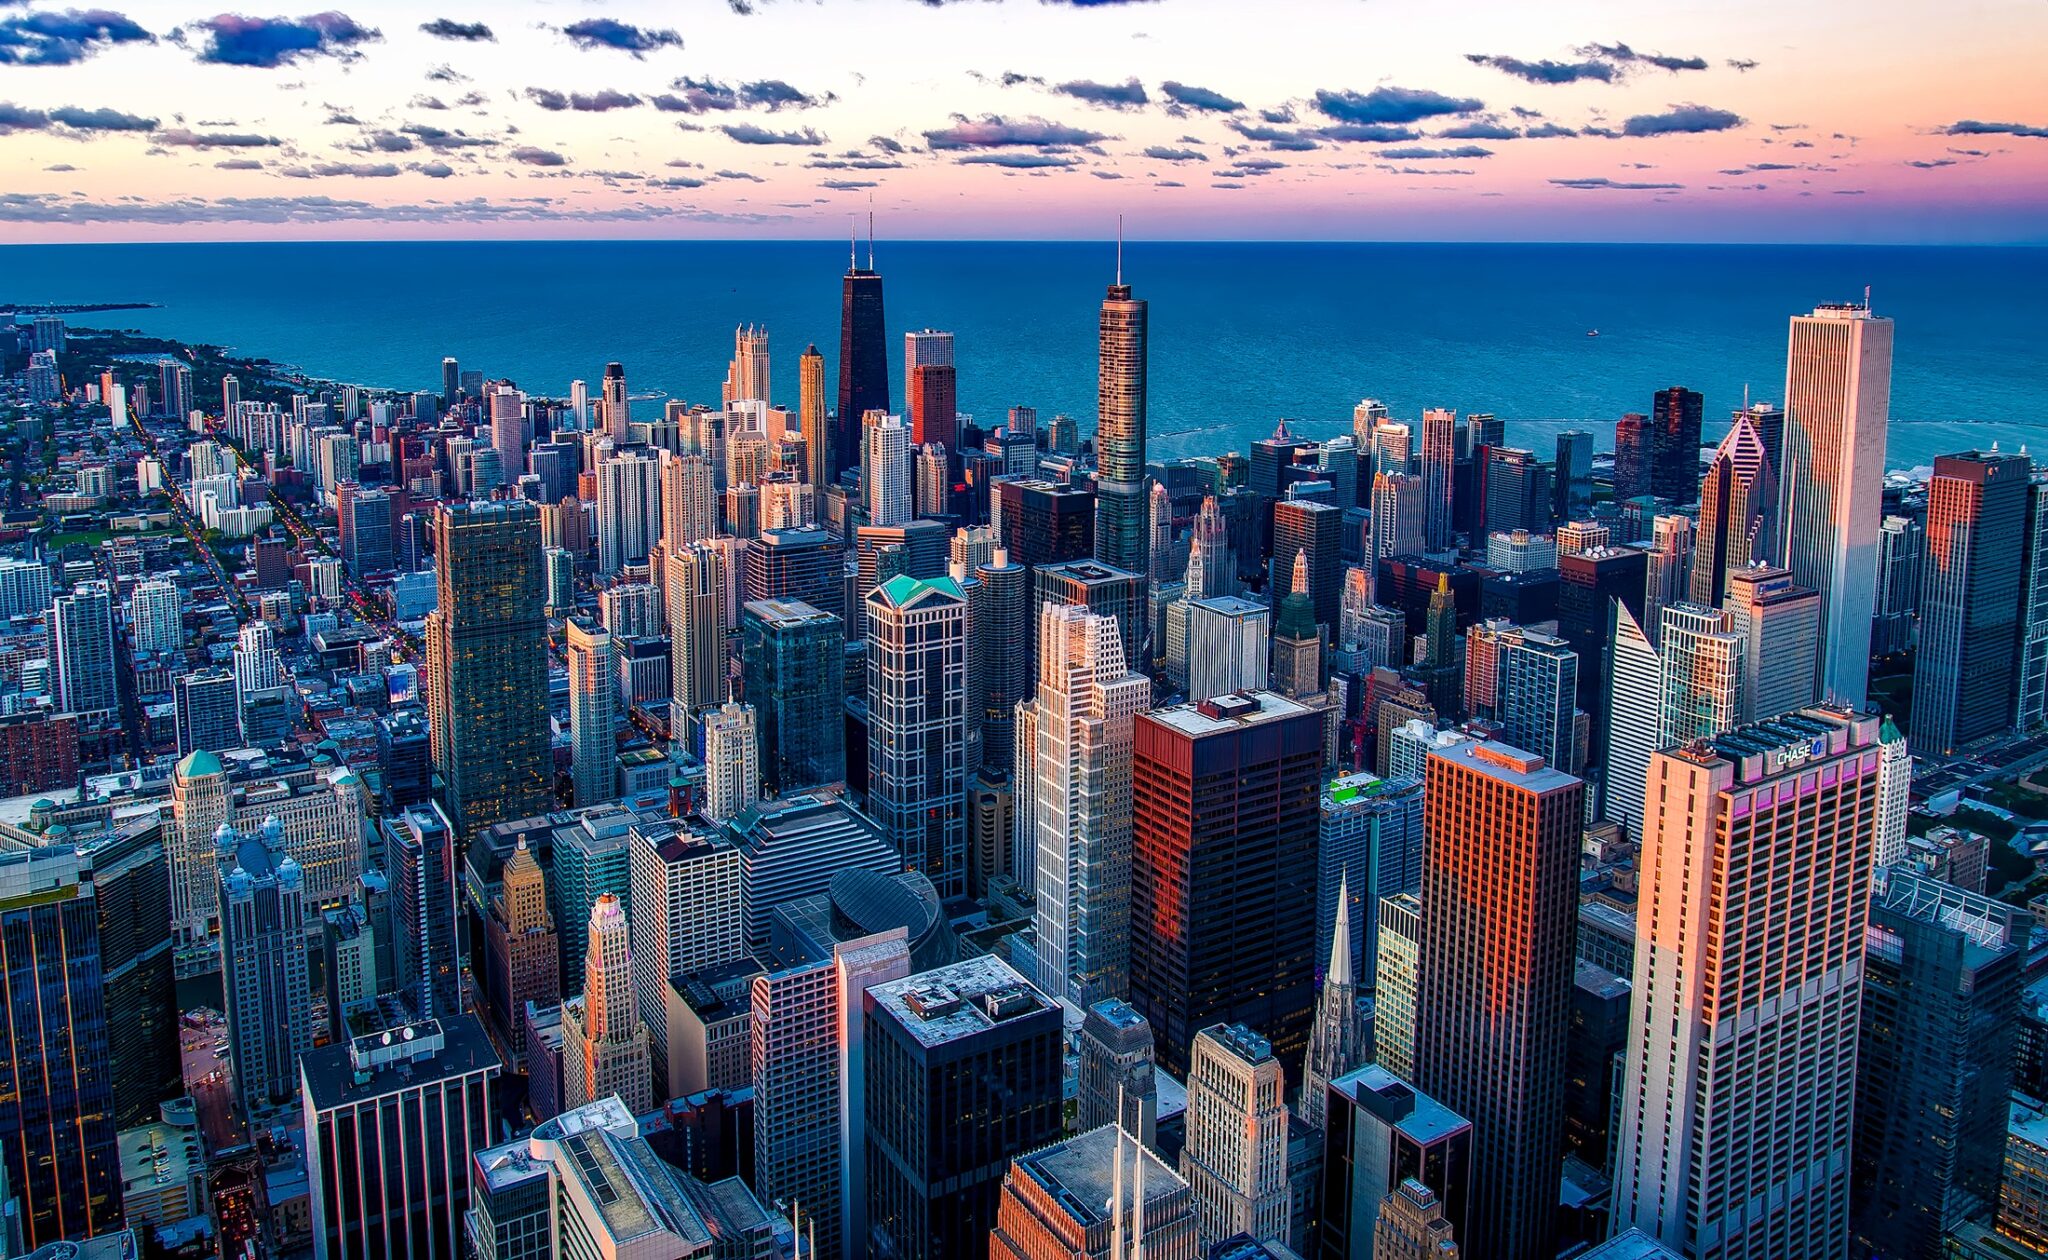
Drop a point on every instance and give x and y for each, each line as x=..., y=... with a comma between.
x=1314, y=119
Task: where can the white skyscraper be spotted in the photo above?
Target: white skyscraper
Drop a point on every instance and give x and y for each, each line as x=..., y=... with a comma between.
x=689, y=500
x=732, y=761
x=1080, y=762
x=1734, y=1134
x=1439, y=459
x=696, y=599
x=154, y=616
x=886, y=472
x=1838, y=383
x=1636, y=677
x=593, y=712
x=1235, y=1159
x=746, y=378
x=1397, y=519
x=1667, y=576
x=628, y=509
x=1780, y=628
x=82, y=637
x=686, y=918
x=511, y=432
x=926, y=347
x=1701, y=656
x=258, y=667
x=1894, y=796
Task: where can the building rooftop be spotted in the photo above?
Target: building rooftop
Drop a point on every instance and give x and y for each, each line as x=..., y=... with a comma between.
x=1599, y=981
x=1395, y=1102
x=1239, y=711
x=398, y=1059
x=1633, y=1245
x=959, y=1000
x=1506, y=763
x=1079, y=1172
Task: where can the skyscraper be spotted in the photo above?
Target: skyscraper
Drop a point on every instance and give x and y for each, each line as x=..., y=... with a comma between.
x=1235, y=1159
x=1369, y=845
x=1412, y=1226
x=593, y=712
x=1667, y=572
x=697, y=584
x=1635, y=685
x=1117, y=1071
x=263, y=964
x=917, y=724
x=1675, y=445
x=2030, y=689
x=1099, y=1195
x=1574, y=474
x=629, y=494
x=1500, y=898
x=961, y=1075
x=617, y=406
x=1701, y=657
x=1080, y=761
x=1942, y=984
x=1738, y=503
x=732, y=760
x=524, y=956
x=1398, y=524
x=82, y=641
x=688, y=915
x=1439, y=455
x=746, y=377
x=821, y=449
x=207, y=708
x=419, y=862
x=794, y=666
x=57, y=1127
x=603, y=1036
x=1224, y=800
x=1734, y=1137
x=1838, y=382
x=487, y=682
x=886, y=471
x=1780, y=628
x=1383, y=1136
x=1971, y=595
x=1539, y=697
x=863, y=348
x=1395, y=982
x=1120, y=427
x=1306, y=526
x=1340, y=1041
x=1632, y=457
x=689, y=501
x=1002, y=621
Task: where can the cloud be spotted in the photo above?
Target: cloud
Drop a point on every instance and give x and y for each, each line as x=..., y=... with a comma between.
x=847, y=185
x=1199, y=98
x=66, y=38
x=1478, y=131
x=1682, y=120
x=60, y=168
x=433, y=170
x=1127, y=95
x=748, y=176
x=1931, y=164
x=100, y=119
x=1602, y=182
x=677, y=181
x=887, y=145
x=1291, y=141
x=326, y=170
x=1546, y=71
x=1392, y=105
x=855, y=162
x=383, y=142
x=448, y=28
x=1415, y=154
x=15, y=118
x=238, y=164
x=996, y=132
x=179, y=137
x=1972, y=127
x=774, y=94
x=532, y=156
x=592, y=33
x=703, y=96
x=1624, y=55
x=598, y=102
x=236, y=40
x=1741, y=65
x=1160, y=153
x=1368, y=133
x=748, y=133
x=442, y=139
x=1547, y=131
x=55, y=208
x=1019, y=161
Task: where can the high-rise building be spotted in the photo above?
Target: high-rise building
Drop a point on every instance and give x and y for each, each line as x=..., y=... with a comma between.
x=698, y=580
x=887, y=471
x=1587, y=581
x=57, y=1131
x=1120, y=427
x=1701, y=658
x=487, y=684
x=1297, y=639
x=1675, y=445
x=1224, y=831
x=1942, y=978
x=1383, y=1136
x=689, y=501
x=1307, y=526
x=821, y=452
x=1500, y=898
x=1518, y=492
x=1101, y=589
x=794, y=667
x=2030, y=688
x=207, y=708
x=604, y=1039
x=1412, y=1226
x=263, y=964
x=1117, y=1071
x=961, y=1075
x=409, y=1107
x=155, y=617
x=593, y=712
x=629, y=501
x=1235, y=1160
x=1635, y=687
x=1227, y=648
x=1439, y=457
x=1396, y=980
x=1738, y=503
x=1838, y=381
x=1044, y=522
x=1573, y=474
x=930, y=390
x=917, y=724
x=1341, y=1041
x=863, y=351
x=82, y=639
x=746, y=377
x=1971, y=595
x=732, y=760
x=617, y=405
x=1734, y=1138
x=1667, y=572
x=1080, y=762
x=1084, y=1197
x=1398, y=519
x=419, y=862
x=524, y=956
x=1539, y=690
x=1780, y=628
x=1369, y=845
x=1632, y=457
x=1002, y=622
x=804, y=564
x=686, y=918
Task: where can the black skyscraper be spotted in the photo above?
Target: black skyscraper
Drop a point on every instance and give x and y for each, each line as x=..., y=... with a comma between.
x=863, y=353
x=1675, y=445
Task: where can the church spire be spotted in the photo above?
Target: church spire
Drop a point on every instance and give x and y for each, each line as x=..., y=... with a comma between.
x=1340, y=936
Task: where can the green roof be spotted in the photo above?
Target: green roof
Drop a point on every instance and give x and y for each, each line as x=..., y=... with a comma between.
x=902, y=589
x=198, y=762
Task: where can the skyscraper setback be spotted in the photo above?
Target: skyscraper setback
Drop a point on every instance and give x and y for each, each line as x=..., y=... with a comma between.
x=1120, y=532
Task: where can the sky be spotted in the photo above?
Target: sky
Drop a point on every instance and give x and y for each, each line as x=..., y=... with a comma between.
x=1851, y=121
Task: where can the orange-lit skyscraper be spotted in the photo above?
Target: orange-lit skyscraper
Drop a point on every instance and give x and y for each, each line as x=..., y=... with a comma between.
x=1499, y=912
x=1120, y=533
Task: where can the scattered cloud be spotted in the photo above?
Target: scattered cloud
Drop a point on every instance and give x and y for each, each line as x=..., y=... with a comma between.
x=448, y=28
x=100, y=119
x=266, y=43
x=440, y=138
x=748, y=176
x=704, y=96
x=1546, y=71
x=1128, y=95
x=748, y=133
x=1741, y=65
x=1200, y=98
x=598, y=102
x=1602, y=182
x=1019, y=161
x=1161, y=153
x=1622, y=54
x=593, y=33
x=1287, y=141
x=532, y=156
x=433, y=170
x=1367, y=133
x=330, y=170
x=55, y=208
x=1478, y=131
x=1415, y=154
x=1547, y=131
x=993, y=131
x=847, y=185
x=1930, y=164
x=1682, y=120
x=238, y=164
x=1392, y=105
x=179, y=137
x=66, y=38
x=1971, y=127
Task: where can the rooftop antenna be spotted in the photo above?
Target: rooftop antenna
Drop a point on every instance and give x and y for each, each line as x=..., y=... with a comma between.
x=1866, y=299
x=1745, y=395
x=852, y=243
x=1119, y=250
x=871, y=231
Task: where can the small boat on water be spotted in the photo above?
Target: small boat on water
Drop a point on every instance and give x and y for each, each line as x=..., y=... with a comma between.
x=1592, y=332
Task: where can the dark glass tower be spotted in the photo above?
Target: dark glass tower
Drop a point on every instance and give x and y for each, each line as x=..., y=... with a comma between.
x=1675, y=445
x=795, y=672
x=863, y=352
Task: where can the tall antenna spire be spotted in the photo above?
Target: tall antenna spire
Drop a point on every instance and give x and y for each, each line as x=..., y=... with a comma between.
x=1138, y=1201
x=871, y=231
x=1116, y=1188
x=1119, y=249
x=852, y=243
